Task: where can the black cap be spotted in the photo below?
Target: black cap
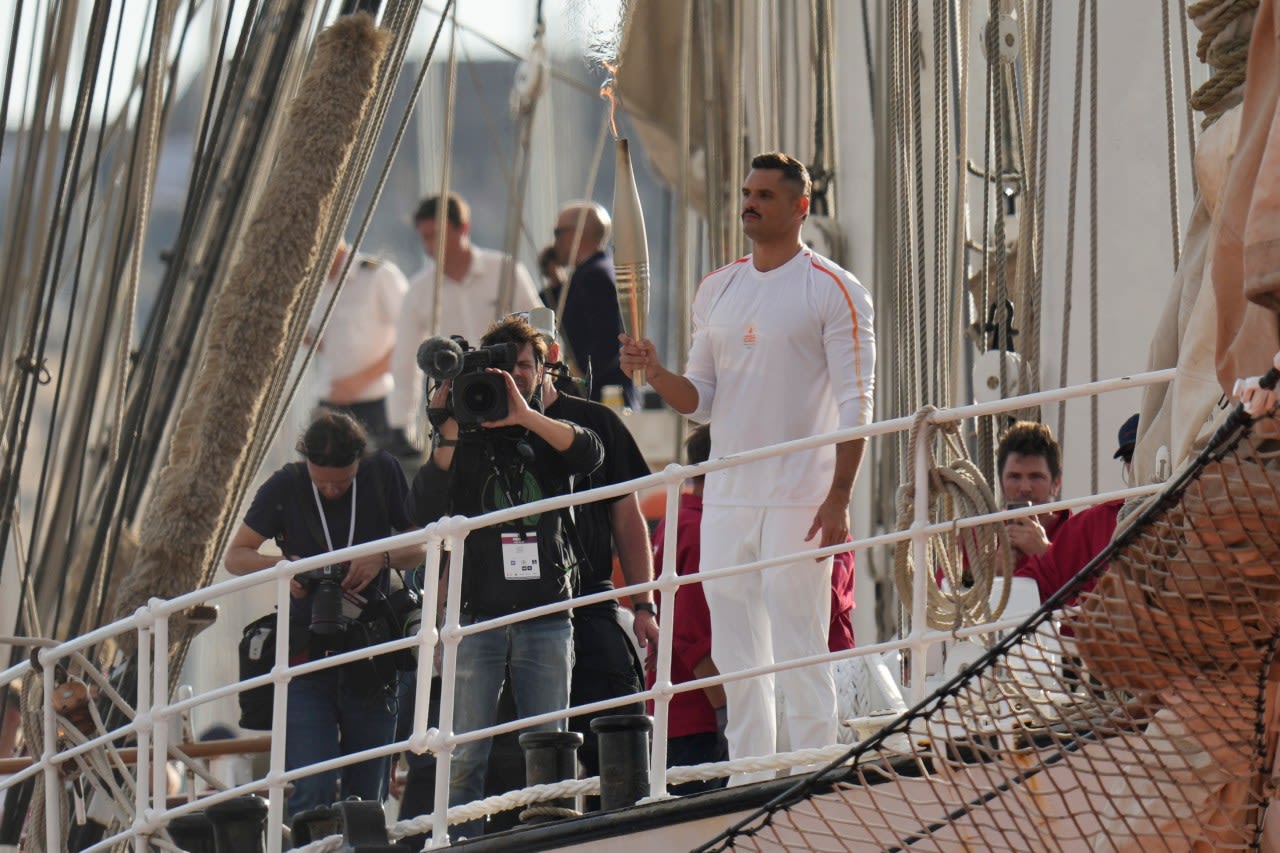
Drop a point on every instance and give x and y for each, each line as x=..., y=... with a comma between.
x=1128, y=437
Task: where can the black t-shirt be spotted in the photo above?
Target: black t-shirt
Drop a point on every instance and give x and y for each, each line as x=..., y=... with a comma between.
x=622, y=461
x=285, y=509
x=491, y=471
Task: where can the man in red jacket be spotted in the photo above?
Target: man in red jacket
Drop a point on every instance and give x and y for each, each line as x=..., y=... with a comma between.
x=1029, y=464
x=1079, y=538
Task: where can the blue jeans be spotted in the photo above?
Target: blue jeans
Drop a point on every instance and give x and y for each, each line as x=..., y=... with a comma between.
x=420, y=783
x=540, y=654
x=327, y=718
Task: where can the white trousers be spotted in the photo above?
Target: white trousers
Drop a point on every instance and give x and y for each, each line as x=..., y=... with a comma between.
x=779, y=614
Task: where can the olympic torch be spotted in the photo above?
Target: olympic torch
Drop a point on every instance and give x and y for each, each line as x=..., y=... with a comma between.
x=630, y=251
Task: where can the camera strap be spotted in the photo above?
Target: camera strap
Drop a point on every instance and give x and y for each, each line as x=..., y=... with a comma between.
x=324, y=522
x=512, y=488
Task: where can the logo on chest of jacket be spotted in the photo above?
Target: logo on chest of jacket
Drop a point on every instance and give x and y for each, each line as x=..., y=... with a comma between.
x=749, y=337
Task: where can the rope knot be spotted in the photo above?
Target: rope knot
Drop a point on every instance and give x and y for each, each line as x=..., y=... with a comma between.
x=38, y=369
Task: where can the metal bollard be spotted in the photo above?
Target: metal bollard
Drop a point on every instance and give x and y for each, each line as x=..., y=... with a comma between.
x=624, y=759
x=549, y=756
x=192, y=833
x=363, y=825
x=314, y=824
x=239, y=825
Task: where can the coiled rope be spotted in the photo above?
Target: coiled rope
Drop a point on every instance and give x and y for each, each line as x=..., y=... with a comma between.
x=966, y=561
x=1229, y=57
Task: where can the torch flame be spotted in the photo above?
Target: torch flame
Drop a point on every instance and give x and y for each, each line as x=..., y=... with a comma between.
x=608, y=92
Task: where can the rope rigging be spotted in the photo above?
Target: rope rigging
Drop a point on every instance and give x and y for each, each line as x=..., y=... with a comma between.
x=966, y=562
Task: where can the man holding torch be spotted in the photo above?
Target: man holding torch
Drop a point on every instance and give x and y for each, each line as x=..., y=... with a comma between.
x=783, y=348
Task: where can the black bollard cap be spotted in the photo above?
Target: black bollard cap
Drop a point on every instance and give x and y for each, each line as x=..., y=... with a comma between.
x=314, y=824
x=622, y=723
x=550, y=739
x=237, y=809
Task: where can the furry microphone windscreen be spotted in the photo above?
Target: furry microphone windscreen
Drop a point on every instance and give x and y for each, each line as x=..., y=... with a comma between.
x=250, y=318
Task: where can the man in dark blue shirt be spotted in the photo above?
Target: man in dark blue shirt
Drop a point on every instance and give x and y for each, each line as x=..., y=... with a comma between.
x=337, y=497
x=591, y=319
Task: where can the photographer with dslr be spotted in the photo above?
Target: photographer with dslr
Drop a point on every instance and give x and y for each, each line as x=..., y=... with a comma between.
x=491, y=454
x=337, y=497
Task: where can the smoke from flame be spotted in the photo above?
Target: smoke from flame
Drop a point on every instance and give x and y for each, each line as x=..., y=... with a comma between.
x=605, y=25
x=607, y=91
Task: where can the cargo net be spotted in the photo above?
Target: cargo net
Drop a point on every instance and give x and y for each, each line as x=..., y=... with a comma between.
x=1139, y=716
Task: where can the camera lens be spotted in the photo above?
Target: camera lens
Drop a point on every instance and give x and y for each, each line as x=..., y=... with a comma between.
x=412, y=623
x=326, y=609
x=479, y=397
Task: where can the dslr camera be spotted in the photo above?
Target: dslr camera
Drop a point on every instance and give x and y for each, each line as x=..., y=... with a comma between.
x=326, y=604
x=476, y=397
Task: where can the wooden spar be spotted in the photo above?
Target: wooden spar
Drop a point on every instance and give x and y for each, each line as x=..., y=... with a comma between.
x=199, y=749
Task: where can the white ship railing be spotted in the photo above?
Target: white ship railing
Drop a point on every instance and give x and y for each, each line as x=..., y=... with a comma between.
x=150, y=623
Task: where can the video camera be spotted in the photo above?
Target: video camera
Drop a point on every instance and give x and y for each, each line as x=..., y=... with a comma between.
x=476, y=397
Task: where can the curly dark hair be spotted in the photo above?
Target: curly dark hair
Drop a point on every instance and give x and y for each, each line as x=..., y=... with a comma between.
x=1028, y=438
x=333, y=440
x=517, y=330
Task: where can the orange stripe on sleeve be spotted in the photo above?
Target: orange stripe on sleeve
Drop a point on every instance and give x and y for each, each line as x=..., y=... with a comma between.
x=853, y=312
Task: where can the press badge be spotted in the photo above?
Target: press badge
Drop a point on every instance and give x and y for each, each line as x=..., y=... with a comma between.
x=352, y=604
x=520, y=557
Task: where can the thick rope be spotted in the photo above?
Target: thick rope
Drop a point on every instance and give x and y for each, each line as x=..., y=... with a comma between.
x=558, y=812
x=401, y=27
x=902, y=292
x=329, y=844
x=1229, y=59
x=1171, y=130
x=446, y=168
x=968, y=561
x=941, y=187
x=530, y=797
x=147, y=148
x=914, y=58
x=1072, y=182
x=591, y=785
x=996, y=72
x=33, y=733
x=1093, y=244
x=1189, y=121
x=1035, y=282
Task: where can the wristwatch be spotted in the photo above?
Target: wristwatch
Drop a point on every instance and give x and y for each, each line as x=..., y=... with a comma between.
x=647, y=606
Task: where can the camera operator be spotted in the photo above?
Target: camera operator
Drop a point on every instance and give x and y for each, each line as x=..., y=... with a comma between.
x=337, y=497
x=485, y=465
x=605, y=664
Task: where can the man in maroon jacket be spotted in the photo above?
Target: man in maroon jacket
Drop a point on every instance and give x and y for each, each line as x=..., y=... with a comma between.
x=1079, y=538
x=1029, y=464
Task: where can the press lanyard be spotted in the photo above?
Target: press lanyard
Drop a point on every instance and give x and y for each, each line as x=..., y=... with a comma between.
x=324, y=524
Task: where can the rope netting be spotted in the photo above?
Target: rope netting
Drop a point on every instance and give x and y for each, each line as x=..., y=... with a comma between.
x=1140, y=715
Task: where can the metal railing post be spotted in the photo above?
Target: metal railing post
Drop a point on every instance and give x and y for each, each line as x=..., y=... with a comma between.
x=920, y=556
x=143, y=721
x=53, y=803
x=279, y=713
x=666, y=633
x=448, y=686
x=160, y=701
x=428, y=636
